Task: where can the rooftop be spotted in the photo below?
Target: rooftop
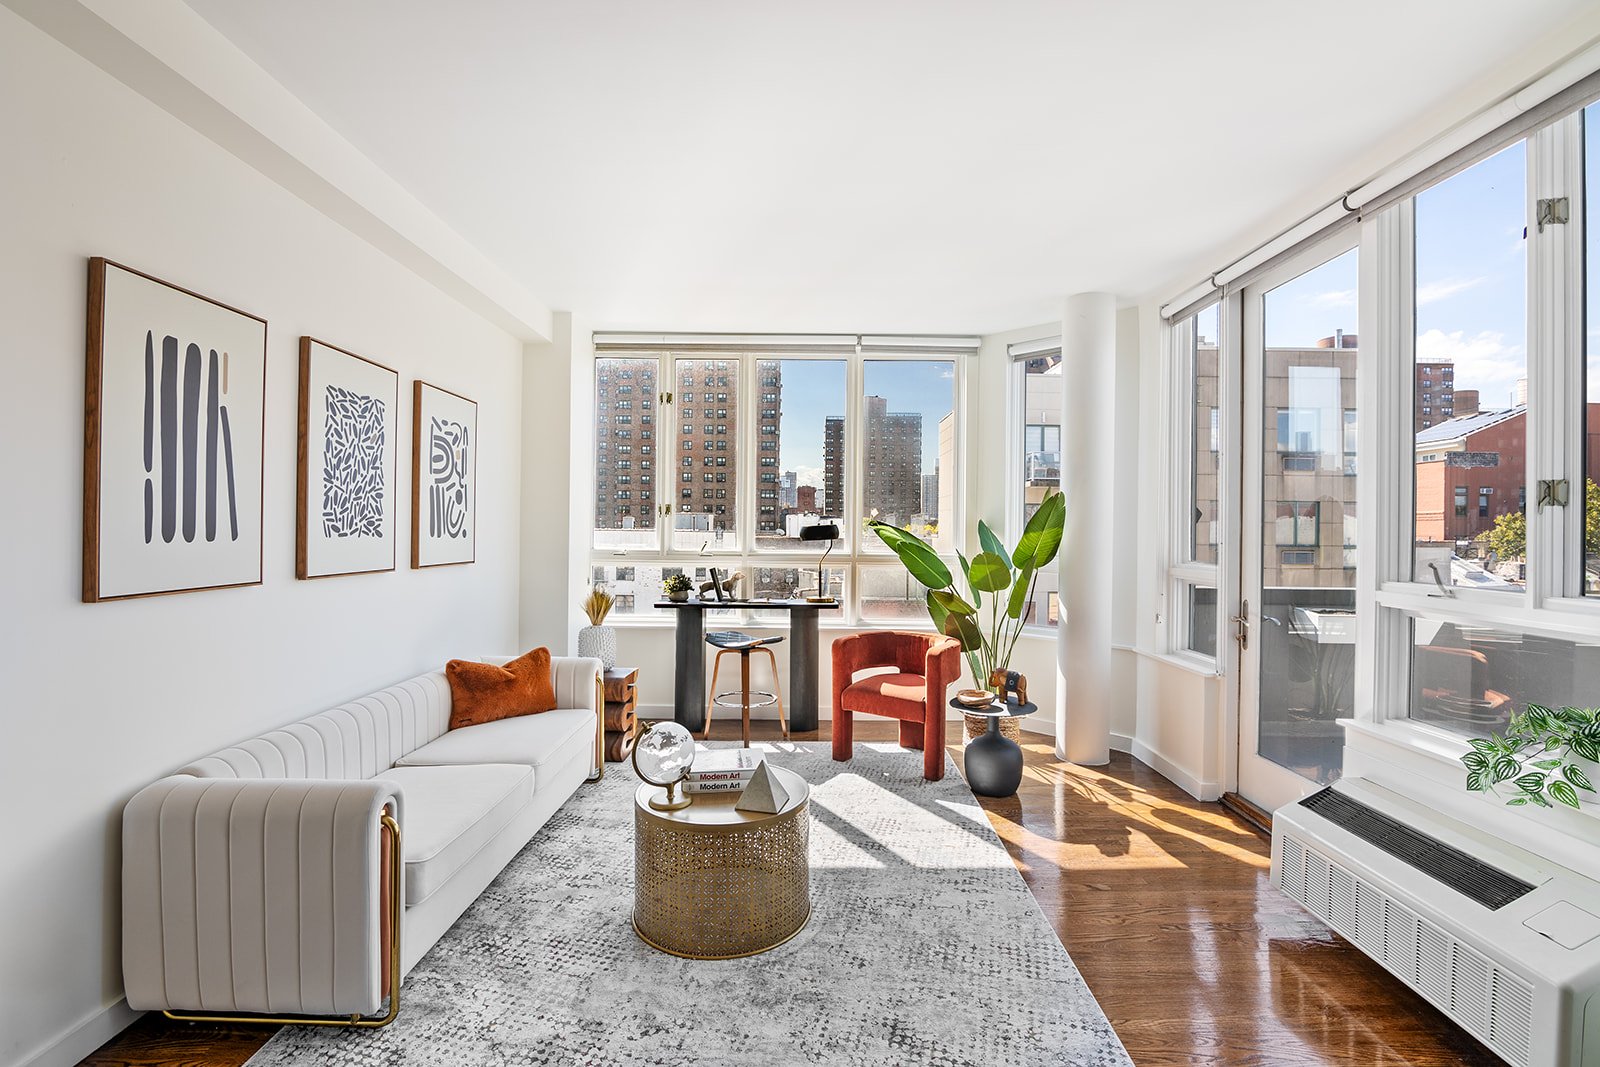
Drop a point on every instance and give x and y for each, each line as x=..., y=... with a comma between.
x=1450, y=429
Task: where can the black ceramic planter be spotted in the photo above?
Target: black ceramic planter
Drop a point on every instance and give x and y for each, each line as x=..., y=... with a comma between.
x=993, y=763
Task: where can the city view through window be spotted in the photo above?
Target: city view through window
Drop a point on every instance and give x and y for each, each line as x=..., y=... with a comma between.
x=687, y=465
x=1471, y=380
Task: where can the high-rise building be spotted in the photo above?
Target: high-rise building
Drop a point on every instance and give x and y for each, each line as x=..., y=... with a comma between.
x=833, y=465
x=787, y=481
x=1308, y=478
x=893, y=453
x=625, y=441
x=1433, y=395
x=892, y=445
x=769, y=414
x=702, y=482
x=706, y=410
x=805, y=498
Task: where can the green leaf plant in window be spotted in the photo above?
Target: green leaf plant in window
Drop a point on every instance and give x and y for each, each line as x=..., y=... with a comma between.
x=1539, y=755
x=987, y=645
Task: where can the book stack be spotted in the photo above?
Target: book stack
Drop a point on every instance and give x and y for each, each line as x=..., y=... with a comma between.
x=622, y=695
x=722, y=770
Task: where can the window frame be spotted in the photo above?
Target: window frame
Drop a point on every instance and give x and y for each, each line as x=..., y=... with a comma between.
x=1019, y=355
x=1184, y=574
x=849, y=555
x=1388, y=599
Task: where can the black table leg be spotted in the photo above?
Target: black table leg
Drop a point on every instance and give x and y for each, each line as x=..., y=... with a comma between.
x=803, y=669
x=689, y=673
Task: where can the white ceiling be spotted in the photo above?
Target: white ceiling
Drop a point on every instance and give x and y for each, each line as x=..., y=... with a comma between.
x=868, y=165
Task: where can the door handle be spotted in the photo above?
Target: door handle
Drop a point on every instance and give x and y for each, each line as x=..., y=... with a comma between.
x=1241, y=624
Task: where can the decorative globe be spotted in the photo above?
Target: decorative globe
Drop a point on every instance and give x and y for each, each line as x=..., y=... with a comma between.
x=664, y=754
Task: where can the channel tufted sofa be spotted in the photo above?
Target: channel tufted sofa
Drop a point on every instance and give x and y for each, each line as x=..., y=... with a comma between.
x=262, y=879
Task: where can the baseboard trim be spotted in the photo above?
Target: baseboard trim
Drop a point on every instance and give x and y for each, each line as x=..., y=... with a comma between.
x=76, y=1044
x=1176, y=774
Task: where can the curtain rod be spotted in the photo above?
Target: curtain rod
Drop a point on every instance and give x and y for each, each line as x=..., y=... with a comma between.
x=1478, y=127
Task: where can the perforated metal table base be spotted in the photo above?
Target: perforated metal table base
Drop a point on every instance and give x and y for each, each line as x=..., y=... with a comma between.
x=715, y=883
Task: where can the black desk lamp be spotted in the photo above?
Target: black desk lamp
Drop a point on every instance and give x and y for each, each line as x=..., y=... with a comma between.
x=829, y=532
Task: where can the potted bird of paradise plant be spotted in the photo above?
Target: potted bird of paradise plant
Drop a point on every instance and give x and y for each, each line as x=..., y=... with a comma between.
x=986, y=642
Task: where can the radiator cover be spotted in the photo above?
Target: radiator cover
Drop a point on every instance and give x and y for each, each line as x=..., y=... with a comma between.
x=1529, y=999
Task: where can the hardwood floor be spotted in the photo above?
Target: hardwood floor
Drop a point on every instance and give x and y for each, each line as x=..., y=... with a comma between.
x=1164, y=904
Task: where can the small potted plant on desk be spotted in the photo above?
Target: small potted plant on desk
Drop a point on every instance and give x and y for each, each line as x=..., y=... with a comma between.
x=677, y=587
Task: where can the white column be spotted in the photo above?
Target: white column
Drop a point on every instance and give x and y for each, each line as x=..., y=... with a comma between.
x=1088, y=419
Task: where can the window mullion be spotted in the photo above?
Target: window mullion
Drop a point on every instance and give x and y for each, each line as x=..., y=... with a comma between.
x=1385, y=453
x=1178, y=434
x=664, y=450
x=746, y=413
x=1555, y=373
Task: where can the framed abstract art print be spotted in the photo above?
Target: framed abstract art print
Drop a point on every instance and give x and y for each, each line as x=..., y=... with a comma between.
x=444, y=479
x=346, y=475
x=173, y=420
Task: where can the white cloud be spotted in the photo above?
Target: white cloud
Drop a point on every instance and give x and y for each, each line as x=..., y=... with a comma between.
x=1339, y=298
x=1432, y=291
x=1483, y=362
x=808, y=476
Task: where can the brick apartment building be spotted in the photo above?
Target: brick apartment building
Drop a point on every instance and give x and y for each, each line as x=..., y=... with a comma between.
x=625, y=444
x=1473, y=468
x=699, y=446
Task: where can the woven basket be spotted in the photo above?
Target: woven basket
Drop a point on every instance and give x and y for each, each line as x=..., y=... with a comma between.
x=1009, y=728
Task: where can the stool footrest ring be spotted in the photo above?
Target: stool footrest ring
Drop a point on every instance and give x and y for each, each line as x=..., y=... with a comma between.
x=733, y=698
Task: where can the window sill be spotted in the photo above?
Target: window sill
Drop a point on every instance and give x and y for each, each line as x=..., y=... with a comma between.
x=1195, y=664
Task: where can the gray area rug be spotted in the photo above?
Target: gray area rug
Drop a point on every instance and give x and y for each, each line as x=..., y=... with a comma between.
x=924, y=947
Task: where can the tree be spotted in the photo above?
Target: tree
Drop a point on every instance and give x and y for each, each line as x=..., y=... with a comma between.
x=1509, y=538
x=1591, y=518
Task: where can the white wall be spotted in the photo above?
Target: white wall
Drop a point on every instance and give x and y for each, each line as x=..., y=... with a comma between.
x=555, y=466
x=104, y=698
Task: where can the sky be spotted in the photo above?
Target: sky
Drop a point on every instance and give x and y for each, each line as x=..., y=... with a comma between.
x=813, y=390
x=1471, y=263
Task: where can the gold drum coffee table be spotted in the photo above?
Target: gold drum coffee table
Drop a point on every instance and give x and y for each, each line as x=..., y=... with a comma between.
x=714, y=883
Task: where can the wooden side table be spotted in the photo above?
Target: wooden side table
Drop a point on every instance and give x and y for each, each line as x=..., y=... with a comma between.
x=711, y=882
x=622, y=696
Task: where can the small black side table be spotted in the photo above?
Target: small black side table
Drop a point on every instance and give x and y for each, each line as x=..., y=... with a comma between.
x=993, y=762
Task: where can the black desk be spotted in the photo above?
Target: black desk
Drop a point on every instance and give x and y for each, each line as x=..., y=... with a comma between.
x=689, y=681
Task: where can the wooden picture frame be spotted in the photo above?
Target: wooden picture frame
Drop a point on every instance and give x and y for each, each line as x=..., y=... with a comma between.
x=444, y=477
x=174, y=439
x=345, y=470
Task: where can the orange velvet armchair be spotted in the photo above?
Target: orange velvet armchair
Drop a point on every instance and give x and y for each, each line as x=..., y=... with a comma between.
x=924, y=665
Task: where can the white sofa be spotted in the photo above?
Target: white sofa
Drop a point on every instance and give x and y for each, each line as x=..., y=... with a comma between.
x=254, y=880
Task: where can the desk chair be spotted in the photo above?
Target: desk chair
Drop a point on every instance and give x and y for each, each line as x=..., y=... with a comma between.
x=732, y=641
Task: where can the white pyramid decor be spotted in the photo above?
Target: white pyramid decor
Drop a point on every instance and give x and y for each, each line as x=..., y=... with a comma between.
x=763, y=793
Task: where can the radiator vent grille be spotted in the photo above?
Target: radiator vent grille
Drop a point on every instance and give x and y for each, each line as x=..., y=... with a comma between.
x=1446, y=864
x=1494, y=1004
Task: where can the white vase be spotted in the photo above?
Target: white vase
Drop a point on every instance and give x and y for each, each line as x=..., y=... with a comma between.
x=599, y=642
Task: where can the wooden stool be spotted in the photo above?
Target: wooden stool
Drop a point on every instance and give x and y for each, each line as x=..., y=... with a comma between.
x=731, y=641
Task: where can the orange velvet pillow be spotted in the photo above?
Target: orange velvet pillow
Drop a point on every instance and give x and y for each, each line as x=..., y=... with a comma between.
x=482, y=692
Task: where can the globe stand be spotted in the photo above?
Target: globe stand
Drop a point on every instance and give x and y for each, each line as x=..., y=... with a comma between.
x=678, y=803
x=676, y=740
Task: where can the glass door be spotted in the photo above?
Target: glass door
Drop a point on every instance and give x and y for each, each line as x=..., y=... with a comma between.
x=1299, y=544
